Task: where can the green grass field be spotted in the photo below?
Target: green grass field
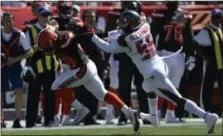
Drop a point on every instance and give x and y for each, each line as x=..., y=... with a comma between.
x=162, y=130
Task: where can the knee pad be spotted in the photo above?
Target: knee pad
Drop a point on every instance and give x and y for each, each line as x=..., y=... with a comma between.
x=151, y=95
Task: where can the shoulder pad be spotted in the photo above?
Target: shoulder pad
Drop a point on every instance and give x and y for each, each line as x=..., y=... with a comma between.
x=114, y=34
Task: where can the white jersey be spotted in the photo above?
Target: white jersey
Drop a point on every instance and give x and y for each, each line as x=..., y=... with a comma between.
x=141, y=49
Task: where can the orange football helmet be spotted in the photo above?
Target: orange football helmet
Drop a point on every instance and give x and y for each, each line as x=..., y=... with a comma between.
x=46, y=41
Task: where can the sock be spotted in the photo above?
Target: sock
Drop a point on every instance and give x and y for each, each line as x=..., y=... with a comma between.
x=153, y=106
x=109, y=109
x=170, y=113
x=77, y=105
x=113, y=99
x=66, y=116
x=125, y=109
x=39, y=109
x=159, y=113
x=160, y=103
x=66, y=107
x=190, y=106
x=112, y=90
x=66, y=94
x=170, y=106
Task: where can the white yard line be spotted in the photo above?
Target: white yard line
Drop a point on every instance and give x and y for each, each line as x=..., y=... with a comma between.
x=190, y=122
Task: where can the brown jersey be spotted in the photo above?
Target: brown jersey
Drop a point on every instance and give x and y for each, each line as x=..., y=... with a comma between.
x=71, y=52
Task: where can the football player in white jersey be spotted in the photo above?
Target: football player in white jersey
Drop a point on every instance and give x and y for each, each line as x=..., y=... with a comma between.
x=136, y=40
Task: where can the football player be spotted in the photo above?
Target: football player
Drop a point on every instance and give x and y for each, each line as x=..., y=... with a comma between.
x=136, y=40
x=172, y=29
x=83, y=70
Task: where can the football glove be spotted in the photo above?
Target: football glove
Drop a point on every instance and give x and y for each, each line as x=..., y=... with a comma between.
x=190, y=63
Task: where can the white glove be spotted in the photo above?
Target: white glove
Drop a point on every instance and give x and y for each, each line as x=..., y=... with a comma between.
x=26, y=69
x=190, y=63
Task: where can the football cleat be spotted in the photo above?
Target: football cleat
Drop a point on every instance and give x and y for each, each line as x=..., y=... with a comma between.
x=80, y=114
x=133, y=116
x=211, y=120
x=153, y=119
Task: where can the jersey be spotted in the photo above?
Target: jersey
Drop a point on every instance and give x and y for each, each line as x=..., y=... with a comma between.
x=72, y=54
x=174, y=30
x=138, y=45
x=143, y=51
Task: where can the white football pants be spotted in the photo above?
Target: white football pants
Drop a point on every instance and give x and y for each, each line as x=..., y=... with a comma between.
x=85, y=75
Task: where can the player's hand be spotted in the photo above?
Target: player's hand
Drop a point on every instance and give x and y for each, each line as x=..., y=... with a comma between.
x=11, y=60
x=190, y=63
x=90, y=32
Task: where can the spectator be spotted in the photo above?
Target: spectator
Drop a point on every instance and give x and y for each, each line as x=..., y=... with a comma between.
x=15, y=48
x=210, y=41
x=76, y=10
x=44, y=67
x=34, y=7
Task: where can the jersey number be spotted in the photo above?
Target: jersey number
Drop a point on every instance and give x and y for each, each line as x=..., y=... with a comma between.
x=178, y=31
x=146, y=47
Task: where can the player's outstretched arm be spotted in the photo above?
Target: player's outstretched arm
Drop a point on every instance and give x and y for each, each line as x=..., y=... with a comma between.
x=112, y=47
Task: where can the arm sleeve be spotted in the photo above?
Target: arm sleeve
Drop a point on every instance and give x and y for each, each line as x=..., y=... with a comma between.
x=203, y=38
x=24, y=42
x=112, y=47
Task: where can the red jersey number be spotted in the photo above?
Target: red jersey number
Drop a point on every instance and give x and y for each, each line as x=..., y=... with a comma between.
x=178, y=32
x=146, y=48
